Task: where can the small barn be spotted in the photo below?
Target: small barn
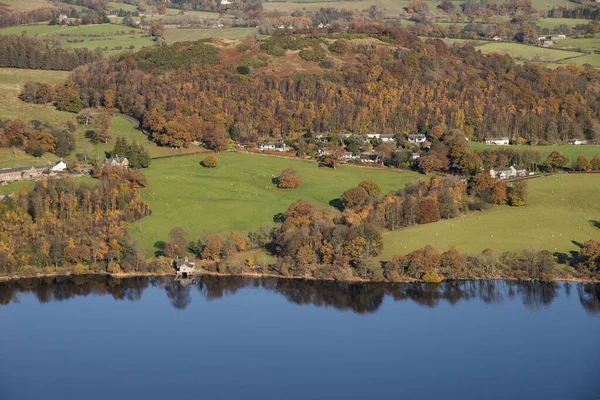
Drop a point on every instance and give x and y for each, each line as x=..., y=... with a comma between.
x=185, y=266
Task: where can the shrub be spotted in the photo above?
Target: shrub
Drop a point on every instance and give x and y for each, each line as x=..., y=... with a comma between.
x=114, y=268
x=582, y=164
x=243, y=70
x=372, y=188
x=243, y=48
x=80, y=269
x=210, y=161
x=431, y=277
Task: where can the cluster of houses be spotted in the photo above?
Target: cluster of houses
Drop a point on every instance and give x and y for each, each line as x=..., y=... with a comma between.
x=514, y=171
x=577, y=142
x=63, y=19
x=32, y=172
x=547, y=41
x=416, y=139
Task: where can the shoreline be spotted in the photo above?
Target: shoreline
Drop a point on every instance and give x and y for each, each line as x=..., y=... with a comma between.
x=8, y=278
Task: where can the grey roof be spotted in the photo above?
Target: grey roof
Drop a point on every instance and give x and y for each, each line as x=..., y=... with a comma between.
x=416, y=135
x=519, y=167
x=19, y=169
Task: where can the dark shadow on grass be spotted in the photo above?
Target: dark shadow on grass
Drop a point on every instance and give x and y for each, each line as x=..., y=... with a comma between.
x=595, y=223
x=578, y=244
x=337, y=203
x=160, y=248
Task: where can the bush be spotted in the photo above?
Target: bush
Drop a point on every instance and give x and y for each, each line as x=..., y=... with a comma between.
x=431, y=277
x=276, y=51
x=372, y=188
x=81, y=269
x=210, y=161
x=243, y=48
x=243, y=70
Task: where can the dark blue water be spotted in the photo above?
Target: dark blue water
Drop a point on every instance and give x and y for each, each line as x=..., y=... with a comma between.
x=231, y=338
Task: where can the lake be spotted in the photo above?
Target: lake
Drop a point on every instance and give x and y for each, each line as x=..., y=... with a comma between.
x=228, y=338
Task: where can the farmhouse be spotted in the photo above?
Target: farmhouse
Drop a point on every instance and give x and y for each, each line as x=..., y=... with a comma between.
x=368, y=158
x=117, y=161
x=59, y=166
x=185, y=266
x=273, y=146
x=387, y=138
x=20, y=173
x=513, y=171
x=503, y=141
x=417, y=138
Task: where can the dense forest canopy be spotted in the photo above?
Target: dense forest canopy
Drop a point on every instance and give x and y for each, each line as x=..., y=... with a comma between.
x=405, y=87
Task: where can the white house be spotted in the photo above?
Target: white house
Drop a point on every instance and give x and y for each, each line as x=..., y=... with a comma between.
x=185, y=266
x=503, y=141
x=417, y=138
x=273, y=146
x=576, y=142
x=387, y=138
x=513, y=171
x=59, y=166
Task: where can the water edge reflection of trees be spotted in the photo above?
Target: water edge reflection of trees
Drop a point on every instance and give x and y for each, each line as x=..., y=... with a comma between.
x=360, y=298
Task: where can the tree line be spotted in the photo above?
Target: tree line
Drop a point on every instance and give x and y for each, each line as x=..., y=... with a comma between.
x=37, y=138
x=30, y=53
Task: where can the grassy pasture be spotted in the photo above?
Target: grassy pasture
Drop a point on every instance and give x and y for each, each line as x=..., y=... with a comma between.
x=559, y=213
x=239, y=193
x=527, y=53
x=552, y=23
x=584, y=45
x=108, y=37
x=183, y=35
x=572, y=152
x=591, y=59
x=25, y=5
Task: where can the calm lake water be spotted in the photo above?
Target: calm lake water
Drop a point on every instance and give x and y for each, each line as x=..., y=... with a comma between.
x=232, y=338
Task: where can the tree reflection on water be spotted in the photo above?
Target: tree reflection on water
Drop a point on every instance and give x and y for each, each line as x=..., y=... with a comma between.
x=360, y=298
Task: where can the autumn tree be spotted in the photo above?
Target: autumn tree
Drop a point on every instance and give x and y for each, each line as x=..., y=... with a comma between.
x=213, y=248
x=372, y=188
x=101, y=133
x=329, y=161
x=517, y=194
x=430, y=163
x=181, y=238
x=595, y=163
x=210, y=161
x=355, y=197
x=556, y=160
x=582, y=164
x=428, y=210
x=590, y=253
x=288, y=179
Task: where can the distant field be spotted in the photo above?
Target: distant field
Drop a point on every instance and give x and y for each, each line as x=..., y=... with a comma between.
x=392, y=7
x=572, y=152
x=527, y=53
x=560, y=211
x=582, y=45
x=239, y=194
x=25, y=5
x=111, y=38
x=552, y=23
x=591, y=59
x=183, y=35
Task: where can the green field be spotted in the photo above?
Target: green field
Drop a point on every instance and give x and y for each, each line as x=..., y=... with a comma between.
x=183, y=35
x=524, y=52
x=590, y=59
x=25, y=5
x=572, y=152
x=582, y=45
x=111, y=38
x=239, y=193
x=552, y=23
x=560, y=211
